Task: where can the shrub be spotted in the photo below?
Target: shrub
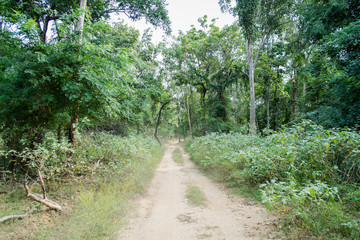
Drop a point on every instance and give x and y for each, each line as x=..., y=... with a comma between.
x=297, y=169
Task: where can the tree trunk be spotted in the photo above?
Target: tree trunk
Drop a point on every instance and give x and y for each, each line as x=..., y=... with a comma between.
x=268, y=104
x=75, y=109
x=158, y=121
x=223, y=103
x=74, y=121
x=188, y=116
x=276, y=99
x=293, y=97
x=80, y=25
x=251, y=63
x=203, y=94
x=236, y=101
x=44, y=28
x=138, y=129
x=303, y=98
x=179, y=130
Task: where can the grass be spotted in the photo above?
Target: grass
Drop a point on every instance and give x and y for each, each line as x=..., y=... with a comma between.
x=196, y=196
x=100, y=212
x=95, y=205
x=177, y=156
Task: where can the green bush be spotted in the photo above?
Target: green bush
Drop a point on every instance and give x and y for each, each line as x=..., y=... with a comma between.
x=94, y=182
x=299, y=168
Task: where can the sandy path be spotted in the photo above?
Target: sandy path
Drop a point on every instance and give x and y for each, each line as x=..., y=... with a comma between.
x=165, y=214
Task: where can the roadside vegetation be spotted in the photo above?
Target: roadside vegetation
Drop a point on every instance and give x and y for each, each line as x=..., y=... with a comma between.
x=93, y=185
x=309, y=175
x=177, y=156
x=70, y=74
x=195, y=196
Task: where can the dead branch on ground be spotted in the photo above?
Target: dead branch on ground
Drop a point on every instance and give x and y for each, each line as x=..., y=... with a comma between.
x=3, y=219
x=42, y=199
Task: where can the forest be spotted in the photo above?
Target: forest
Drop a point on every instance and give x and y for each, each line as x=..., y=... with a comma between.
x=269, y=105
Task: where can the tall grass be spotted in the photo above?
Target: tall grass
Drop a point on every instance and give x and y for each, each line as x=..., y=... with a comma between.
x=309, y=174
x=103, y=177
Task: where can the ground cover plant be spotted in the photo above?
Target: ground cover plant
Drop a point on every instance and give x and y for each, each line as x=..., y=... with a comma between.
x=177, y=156
x=308, y=174
x=195, y=196
x=93, y=184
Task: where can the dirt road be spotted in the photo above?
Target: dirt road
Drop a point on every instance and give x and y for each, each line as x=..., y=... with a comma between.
x=165, y=213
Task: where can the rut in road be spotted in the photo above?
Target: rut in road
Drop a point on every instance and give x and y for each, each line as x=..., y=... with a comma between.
x=164, y=213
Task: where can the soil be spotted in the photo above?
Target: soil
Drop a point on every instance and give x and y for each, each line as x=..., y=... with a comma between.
x=164, y=213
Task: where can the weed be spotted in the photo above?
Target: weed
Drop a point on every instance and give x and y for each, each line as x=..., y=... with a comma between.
x=195, y=196
x=177, y=156
x=109, y=172
x=302, y=172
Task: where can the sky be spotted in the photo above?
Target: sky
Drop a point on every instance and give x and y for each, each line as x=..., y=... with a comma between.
x=183, y=14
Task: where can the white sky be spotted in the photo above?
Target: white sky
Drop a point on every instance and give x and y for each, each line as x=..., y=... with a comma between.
x=183, y=14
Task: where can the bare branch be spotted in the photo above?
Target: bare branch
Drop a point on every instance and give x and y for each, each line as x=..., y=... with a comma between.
x=3, y=219
x=42, y=183
x=37, y=198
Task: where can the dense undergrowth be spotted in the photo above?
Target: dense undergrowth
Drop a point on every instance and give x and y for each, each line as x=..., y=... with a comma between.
x=93, y=183
x=308, y=174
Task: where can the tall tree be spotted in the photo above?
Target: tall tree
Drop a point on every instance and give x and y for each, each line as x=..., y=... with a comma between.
x=208, y=59
x=258, y=19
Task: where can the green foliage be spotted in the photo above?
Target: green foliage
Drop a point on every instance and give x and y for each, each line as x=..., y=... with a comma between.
x=333, y=89
x=94, y=185
x=320, y=18
x=125, y=166
x=205, y=63
x=298, y=170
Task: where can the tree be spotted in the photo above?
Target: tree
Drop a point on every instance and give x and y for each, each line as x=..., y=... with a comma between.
x=332, y=29
x=258, y=19
x=44, y=12
x=207, y=59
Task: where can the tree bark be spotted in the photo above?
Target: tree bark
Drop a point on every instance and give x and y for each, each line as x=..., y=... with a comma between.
x=203, y=95
x=43, y=29
x=42, y=183
x=293, y=97
x=303, y=97
x=223, y=103
x=158, y=121
x=277, y=103
x=80, y=25
x=251, y=64
x=188, y=116
x=75, y=109
x=73, y=122
x=268, y=104
x=236, y=100
x=179, y=130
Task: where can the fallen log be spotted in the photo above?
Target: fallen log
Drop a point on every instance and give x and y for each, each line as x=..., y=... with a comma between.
x=36, y=197
x=3, y=219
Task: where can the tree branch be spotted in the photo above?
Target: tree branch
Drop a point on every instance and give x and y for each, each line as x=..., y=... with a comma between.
x=42, y=183
x=37, y=198
x=3, y=219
